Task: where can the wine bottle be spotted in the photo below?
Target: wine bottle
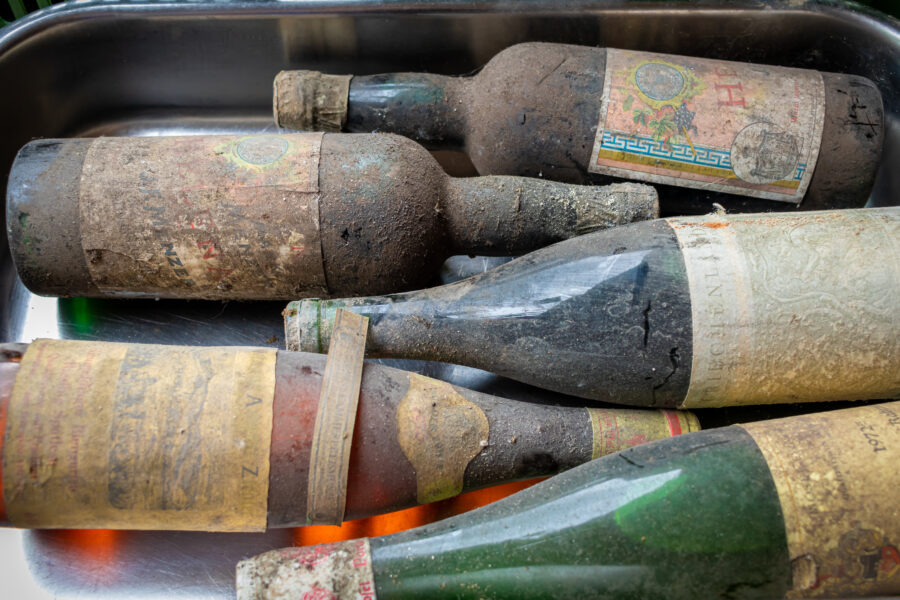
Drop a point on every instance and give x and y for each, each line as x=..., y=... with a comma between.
x=686, y=312
x=273, y=216
x=137, y=436
x=751, y=137
x=803, y=507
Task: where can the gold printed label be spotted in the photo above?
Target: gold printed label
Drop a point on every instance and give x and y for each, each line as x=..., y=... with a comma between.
x=204, y=216
x=440, y=432
x=731, y=127
x=337, y=571
x=793, y=307
x=620, y=428
x=131, y=436
x=837, y=479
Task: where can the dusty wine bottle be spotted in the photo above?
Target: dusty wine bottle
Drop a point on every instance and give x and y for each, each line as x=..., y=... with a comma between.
x=273, y=216
x=729, y=131
x=803, y=507
x=685, y=312
x=140, y=436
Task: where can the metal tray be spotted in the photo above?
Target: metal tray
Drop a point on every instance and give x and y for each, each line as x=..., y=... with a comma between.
x=88, y=68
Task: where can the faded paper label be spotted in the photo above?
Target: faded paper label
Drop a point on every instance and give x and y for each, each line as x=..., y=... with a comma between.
x=329, y=458
x=793, y=307
x=440, y=433
x=739, y=128
x=837, y=480
x=338, y=571
x=131, y=436
x=204, y=216
x=620, y=428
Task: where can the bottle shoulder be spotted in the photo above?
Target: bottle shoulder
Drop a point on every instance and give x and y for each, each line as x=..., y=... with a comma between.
x=667, y=518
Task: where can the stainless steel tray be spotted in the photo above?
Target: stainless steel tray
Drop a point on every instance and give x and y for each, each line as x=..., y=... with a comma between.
x=113, y=68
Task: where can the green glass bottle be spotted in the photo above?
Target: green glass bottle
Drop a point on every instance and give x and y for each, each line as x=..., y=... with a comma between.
x=802, y=506
x=684, y=312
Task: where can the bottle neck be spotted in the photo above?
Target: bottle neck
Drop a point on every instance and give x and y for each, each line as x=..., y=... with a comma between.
x=308, y=323
x=504, y=215
x=598, y=312
x=430, y=109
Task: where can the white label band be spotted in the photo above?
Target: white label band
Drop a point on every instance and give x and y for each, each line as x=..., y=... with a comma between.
x=793, y=307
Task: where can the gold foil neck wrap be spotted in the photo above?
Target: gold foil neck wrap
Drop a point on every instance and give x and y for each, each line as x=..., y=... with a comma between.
x=793, y=307
x=620, y=428
x=837, y=477
x=338, y=571
x=210, y=217
x=310, y=100
x=130, y=436
x=726, y=126
x=440, y=432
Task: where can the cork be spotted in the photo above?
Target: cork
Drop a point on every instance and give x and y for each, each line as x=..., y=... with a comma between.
x=310, y=100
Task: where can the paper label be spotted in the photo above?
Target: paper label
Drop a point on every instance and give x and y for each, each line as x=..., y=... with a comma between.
x=731, y=127
x=131, y=436
x=338, y=571
x=204, y=216
x=440, y=433
x=837, y=480
x=329, y=458
x=793, y=307
x=620, y=428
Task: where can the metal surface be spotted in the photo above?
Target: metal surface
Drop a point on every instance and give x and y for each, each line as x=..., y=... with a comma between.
x=117, y=68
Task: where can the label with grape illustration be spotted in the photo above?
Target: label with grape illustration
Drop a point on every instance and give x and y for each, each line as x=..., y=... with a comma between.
x=739, y=128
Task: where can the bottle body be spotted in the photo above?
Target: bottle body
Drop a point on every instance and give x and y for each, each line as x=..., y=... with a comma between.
x=693, y=517
x=535, y=110
x=148, y=436
x=273, y=216
x=687, y=312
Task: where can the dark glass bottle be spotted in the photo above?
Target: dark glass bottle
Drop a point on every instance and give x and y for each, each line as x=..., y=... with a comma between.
x=802, y=506
x=687, y=312
x=274, y=216
x=535, y=109
x=168, y=421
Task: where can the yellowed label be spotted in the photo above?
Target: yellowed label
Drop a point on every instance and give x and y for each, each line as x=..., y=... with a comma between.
x=204, y=216
x=793, y=307
x=732, y=127
x=619, y=428
x=329, y=459
x=337, y=571
x=440, y=432
x=837, y=479
x=132, y=436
